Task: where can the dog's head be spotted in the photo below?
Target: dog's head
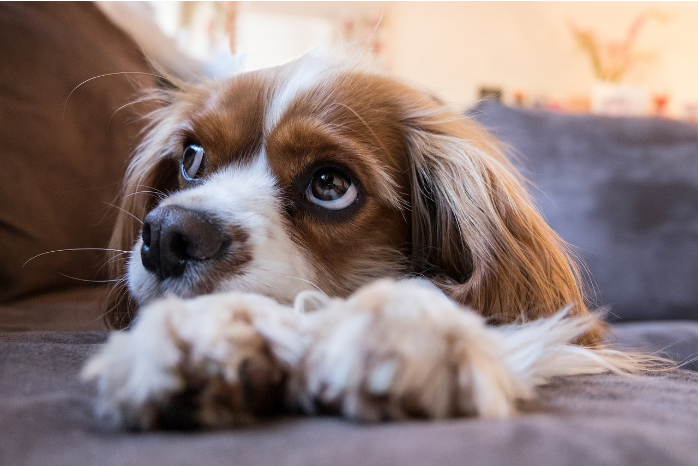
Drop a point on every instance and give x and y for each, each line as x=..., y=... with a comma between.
x=321, y=174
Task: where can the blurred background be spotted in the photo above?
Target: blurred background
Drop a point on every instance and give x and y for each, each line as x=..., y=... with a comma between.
x=614, y=58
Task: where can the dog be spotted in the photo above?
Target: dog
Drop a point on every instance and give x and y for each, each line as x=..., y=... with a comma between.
x=323, y=238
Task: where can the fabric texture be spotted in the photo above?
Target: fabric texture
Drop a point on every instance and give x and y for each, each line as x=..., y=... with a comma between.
x=624, y=193
x=62, y=158
x=46, y=417
x=66, y=310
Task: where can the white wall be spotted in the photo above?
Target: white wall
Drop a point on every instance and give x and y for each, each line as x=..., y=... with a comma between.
x=453, y=48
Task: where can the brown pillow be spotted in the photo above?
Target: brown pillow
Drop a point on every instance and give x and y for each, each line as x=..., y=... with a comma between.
x=61, y=162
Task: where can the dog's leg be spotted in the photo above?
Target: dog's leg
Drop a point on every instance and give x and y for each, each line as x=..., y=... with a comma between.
x=210, y=361
x=401, y=350
x=391, y=351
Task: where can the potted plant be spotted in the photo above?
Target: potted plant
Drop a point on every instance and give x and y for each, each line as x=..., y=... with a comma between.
x=611, y=63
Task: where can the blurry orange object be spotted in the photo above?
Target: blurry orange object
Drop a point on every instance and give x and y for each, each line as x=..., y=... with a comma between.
x=660, y=104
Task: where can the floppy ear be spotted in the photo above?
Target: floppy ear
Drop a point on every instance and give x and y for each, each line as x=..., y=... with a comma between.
x=475, y=230
x=151, y=175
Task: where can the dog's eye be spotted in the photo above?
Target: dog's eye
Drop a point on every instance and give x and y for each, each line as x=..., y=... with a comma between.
x=331, y=189
x=193, y=162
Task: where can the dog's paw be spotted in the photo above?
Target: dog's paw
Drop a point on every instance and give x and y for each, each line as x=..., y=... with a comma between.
x=403, y=350
x=211, y=361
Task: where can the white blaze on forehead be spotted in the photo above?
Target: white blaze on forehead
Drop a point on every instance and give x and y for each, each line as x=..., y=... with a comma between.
x=311, y=70
x=296, y=78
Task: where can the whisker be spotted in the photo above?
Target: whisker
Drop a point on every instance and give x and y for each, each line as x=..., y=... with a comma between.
x=143, y=192
x=129, y=306
x=159, y=194
x=119, y=256
x=65, y=105
x=375, y=29
x=102, y=315
x=120, y=108
x=86, y=280
x=72, y=249
x=125, y=211
x=121, y=293
x=159, y=191
x=119, y=285
x=307, y=281
x=368, y=127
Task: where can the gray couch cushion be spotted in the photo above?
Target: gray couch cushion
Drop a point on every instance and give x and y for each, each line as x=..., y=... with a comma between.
x=624, y=191
x=675, y=339
x=46, y=418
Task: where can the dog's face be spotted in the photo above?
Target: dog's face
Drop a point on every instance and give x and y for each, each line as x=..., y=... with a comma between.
x=313, y=174
x=281, y=179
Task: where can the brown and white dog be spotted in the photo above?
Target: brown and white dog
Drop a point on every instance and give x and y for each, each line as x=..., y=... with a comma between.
x=251, y=193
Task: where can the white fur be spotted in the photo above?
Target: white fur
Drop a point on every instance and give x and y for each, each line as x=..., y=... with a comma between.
x=248, y=197
x=299, y=78
x=142, y=368
x=307, y=72
x=392, y=350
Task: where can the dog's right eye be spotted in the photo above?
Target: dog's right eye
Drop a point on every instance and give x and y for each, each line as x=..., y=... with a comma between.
x=193, y=162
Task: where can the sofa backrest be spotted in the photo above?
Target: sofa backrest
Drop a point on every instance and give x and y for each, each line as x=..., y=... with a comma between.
x=624, y=193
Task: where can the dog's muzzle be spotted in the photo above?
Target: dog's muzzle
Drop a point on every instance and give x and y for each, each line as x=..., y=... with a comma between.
x=174, y=236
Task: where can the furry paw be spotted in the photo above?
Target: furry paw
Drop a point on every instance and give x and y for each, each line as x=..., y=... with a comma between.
x=403, y=350
x=211, y=361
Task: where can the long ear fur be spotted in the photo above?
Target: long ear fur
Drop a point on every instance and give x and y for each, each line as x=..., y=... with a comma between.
x=151, y=174
x=476, y=231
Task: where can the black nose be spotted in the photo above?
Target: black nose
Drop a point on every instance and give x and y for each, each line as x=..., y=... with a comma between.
x=174, y=236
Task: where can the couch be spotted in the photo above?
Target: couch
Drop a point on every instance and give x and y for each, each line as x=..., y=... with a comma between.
x=622, y=190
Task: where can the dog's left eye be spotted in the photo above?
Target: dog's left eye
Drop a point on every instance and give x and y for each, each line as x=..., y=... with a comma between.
x=332, y=189
x=193, y=162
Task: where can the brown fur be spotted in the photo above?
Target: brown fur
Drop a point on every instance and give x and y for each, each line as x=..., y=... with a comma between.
x=437, y=196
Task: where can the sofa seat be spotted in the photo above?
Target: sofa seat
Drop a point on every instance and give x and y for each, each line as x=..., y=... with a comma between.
x=47, y=414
